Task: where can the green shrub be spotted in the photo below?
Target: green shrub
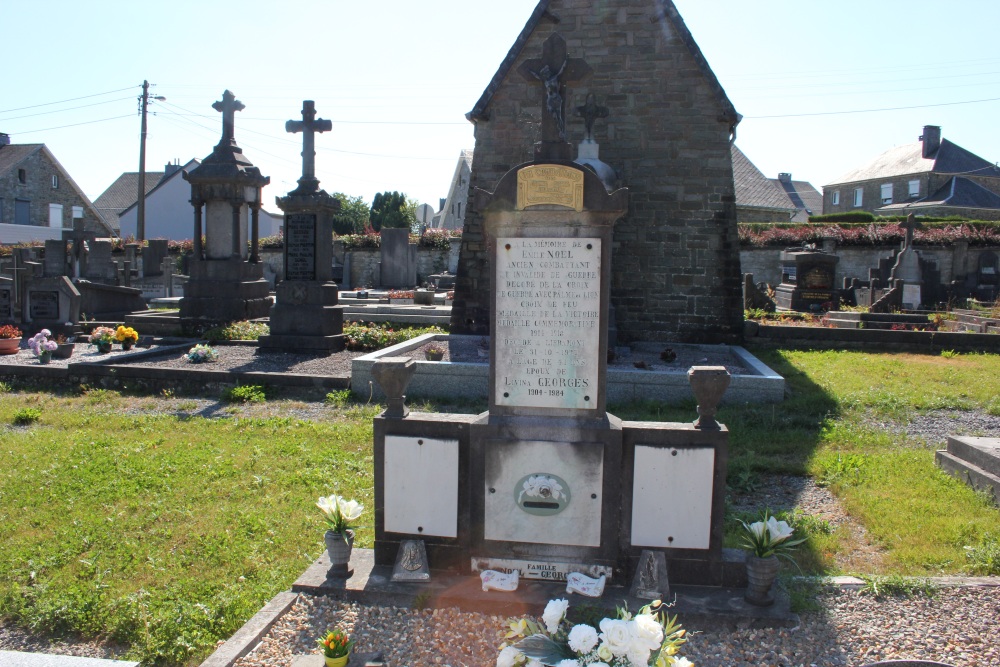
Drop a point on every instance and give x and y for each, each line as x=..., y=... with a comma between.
x=850, y=216
x=984, y=559
x=339, y=398
x=247, y=393
x=26, y=416
x=243, y=330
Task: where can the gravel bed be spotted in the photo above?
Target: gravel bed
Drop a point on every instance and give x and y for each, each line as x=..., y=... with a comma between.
x=82, y=353
x=956, y=626
x=246, y=358
x=13, y=638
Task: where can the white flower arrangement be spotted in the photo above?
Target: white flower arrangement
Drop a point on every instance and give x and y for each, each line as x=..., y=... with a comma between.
x=200, y=354
x=339, y=511
x=770, y=537
x=648, y=639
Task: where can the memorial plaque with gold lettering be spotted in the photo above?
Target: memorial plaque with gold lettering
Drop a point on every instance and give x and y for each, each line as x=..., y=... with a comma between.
x=547, y=326
x=550, y=184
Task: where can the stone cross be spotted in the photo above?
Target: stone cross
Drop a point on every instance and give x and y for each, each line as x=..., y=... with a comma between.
x=228, y=106
x=554, y=70
x=308, y=126
x=591, y=112
x=910, y=226
x=79, y=236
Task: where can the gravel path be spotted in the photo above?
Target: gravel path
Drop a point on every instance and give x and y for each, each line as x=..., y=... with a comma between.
x=956, y=626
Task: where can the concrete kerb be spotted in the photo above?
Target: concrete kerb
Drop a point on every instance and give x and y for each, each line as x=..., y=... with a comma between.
x=247, y=637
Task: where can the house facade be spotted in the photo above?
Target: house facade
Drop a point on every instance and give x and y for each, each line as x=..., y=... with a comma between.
x=758, y=199
x=806, y=199
x=453, y=209
x=931, y=177
x=38, y=198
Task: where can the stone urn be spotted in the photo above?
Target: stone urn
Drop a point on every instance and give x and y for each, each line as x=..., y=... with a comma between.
x=708, y=383
x=339, y=546
x=64, y=351
x=10, y=345
x=393, y=374
x=761, y=573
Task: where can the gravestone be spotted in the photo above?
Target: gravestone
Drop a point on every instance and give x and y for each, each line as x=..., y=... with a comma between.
x=807, y=281
x=907, y=267
x=98, y=265
x=7, y=300
x=226, y=281
x=399, y=260
x=80, y=237
x=988, y=277
x=50, y=302
x=55, y=258
x=546, y=482
x=152, y=257
x=305, y=315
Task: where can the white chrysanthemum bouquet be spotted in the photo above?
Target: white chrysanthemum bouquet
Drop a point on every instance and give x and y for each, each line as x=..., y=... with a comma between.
x=648, y=639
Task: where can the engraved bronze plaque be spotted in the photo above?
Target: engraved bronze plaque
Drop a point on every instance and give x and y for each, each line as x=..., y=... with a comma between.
x=550, y=184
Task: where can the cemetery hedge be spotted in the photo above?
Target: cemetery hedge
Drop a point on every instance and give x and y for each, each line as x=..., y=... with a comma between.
x=759, y=235
x=139, y=520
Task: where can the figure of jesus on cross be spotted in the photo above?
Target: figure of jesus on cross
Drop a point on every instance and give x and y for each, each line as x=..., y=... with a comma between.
x=308, y=126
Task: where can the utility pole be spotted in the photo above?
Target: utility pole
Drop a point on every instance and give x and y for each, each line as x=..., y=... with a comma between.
x=140, y=217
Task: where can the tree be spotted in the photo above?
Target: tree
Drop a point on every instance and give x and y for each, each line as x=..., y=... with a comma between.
x=353, y=215
x=391, y=210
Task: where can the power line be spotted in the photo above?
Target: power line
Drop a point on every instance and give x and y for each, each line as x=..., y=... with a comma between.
x=89, y=122
x=82, y=106
x=839, y=113
x=72, y=99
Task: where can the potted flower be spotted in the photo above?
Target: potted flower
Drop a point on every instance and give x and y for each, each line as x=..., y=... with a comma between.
x=339, y=513
x=767, y=540
x=64, y=347
x=336, y=646
x=42, y=346
x=434, y=352
x=650, y=637
x=126, y=336
x=10, y=339
x=200, y=354
x=102, y=338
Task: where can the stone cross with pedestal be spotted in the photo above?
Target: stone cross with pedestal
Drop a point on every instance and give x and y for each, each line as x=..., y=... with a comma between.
x=907, y=266
x=547, y=483
x=305, y=315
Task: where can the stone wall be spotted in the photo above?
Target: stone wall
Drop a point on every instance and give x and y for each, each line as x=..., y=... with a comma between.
x=675, y=255
x=39, y=169
x=954, y=262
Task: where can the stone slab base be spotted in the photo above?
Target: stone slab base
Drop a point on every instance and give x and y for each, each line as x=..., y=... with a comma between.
x=283, y=343
x=975, y=461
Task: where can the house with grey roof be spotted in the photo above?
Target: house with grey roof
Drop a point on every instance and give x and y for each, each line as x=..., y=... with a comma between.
x=453, y=208
x=931, y=177
x=806, y=199
x=758, y=199
x=38, y=198
x=124, y=192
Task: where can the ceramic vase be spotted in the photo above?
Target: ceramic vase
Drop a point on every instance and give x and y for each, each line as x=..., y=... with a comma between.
x=338, y=662
x=10, y=345
x=339, y=546
x=761, y=573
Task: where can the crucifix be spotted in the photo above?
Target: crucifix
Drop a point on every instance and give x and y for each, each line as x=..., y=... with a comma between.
x=910, y=226
x=554, y=70
x=228, y=106
x=308, y=126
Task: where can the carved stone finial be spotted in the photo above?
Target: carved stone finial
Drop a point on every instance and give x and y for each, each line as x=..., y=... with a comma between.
x=393, y=374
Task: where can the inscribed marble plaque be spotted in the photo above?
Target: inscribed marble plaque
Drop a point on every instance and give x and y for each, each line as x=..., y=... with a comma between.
x=550, y=184
x=548, y=322
x=300, y=247
x=43, y=305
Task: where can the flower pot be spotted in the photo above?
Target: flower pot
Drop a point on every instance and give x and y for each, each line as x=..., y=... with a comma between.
x=127, y=344
x=339, y=546
x=44, y=356
x=103, y=347
x=10, y=345
x=434, y=356
x=338, y=662
x=64, y=351
x=761, y=573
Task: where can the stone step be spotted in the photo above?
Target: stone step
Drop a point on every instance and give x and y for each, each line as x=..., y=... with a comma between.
x=967, y=472
x=21, y=659
x=981, y=452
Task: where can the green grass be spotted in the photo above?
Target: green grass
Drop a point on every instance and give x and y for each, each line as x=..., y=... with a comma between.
x=163, y=533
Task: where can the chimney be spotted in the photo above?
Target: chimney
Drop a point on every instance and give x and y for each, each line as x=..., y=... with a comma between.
x=785, y=178
x=171, y=168
x=443, y=202
x=4, y=139
x=932, y=140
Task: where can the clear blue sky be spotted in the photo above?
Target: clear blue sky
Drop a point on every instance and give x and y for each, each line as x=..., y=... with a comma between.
x=397, y=76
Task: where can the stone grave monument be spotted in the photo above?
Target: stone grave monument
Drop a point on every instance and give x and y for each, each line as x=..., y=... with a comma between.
x=305, y=316
x=226, y=281
x=7, y=300
x=907, y=267
x=546, y=483
x=398, y=260
x=807, y=281
x=50, y=302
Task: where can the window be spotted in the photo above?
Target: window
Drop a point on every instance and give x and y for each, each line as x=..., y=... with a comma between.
x=887, y=193
x=914, y=188
x=55, y=215
x=858, y=196
x=55, y=181
x=460, y=209
x=22, y=176
x=836, y=198
x=77, y=212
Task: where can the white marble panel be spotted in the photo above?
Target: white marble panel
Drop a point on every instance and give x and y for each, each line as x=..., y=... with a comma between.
x=672, y=497
x=421, y=486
